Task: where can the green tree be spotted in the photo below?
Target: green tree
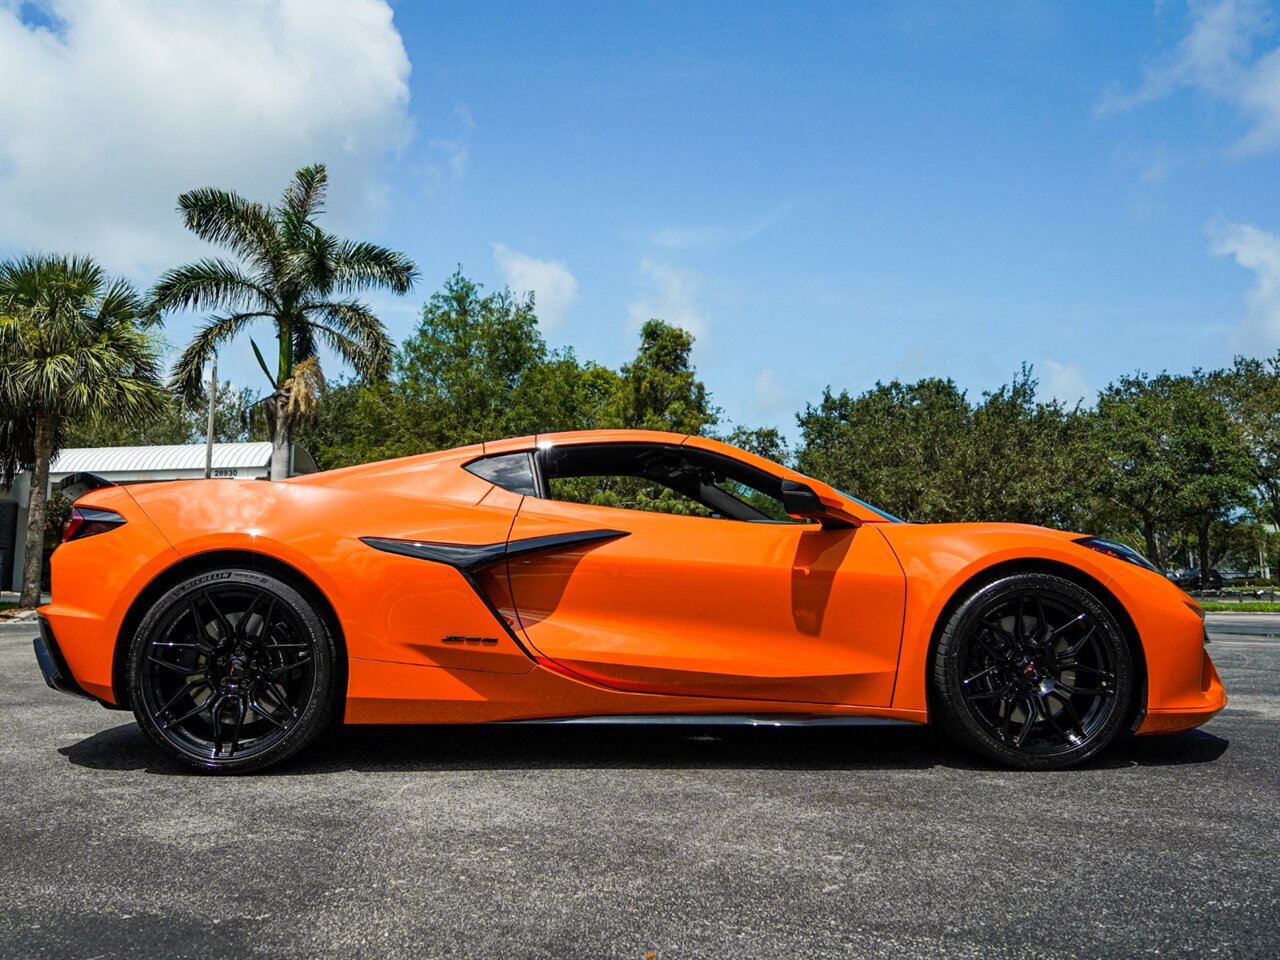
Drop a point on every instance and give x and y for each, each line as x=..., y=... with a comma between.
x=898, y=446
x=659, y=389
x=73, y=345
x=1169, y=458
x=477, y=368
x=291, y=274
x=356, y=423
x=1023, y=460
x=1218, y=470
x=467, y=365
x=177, y=422
x=767, y=442
x=1250, y=390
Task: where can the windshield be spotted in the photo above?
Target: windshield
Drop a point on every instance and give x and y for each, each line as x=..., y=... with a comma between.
x=876, y=510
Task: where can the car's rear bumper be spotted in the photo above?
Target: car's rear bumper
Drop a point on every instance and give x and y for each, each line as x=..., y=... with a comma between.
x=53, y=665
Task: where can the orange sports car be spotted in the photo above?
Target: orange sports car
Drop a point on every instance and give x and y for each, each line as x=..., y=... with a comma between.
x=622, y=576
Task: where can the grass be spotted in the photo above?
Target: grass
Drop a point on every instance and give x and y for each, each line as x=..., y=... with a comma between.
x=8, y=605
x=1240, y=606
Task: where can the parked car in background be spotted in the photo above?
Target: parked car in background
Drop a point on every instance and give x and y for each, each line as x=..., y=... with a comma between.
x=1191, y=580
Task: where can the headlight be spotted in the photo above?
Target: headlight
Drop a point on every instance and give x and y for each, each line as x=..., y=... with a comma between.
x=1118, y=550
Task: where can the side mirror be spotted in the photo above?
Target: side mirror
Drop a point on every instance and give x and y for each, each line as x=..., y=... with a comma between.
x=801, y=501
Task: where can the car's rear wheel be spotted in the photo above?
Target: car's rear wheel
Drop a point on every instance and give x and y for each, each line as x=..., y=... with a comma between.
x=1033, y=671
x=232, y=670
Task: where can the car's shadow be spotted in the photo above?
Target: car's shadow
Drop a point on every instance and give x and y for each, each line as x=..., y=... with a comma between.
x=511, y=747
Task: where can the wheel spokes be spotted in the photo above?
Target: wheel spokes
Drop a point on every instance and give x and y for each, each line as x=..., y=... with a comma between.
x=1033, y=714
x=1086, y=691
x=993, y=694
x=1029, y=695
x=983, y=673
x=1042, y=628
x=265, y=714
x=198, y=708
x=1069, y=623
x=991, y=651
x=235, y=734
x=1052, y=719
x=248, y=652
x=175, y=667
x=1074, y=649
x=191, y=687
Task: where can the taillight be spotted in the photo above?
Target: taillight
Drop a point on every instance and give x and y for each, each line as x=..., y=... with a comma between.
x=88, y=522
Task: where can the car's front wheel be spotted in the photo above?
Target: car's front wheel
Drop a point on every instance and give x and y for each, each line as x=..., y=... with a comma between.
x=232, y=670
x=1033, y=671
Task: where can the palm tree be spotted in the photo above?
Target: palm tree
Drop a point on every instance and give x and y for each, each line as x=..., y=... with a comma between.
x=289, y=273
x=72, y=345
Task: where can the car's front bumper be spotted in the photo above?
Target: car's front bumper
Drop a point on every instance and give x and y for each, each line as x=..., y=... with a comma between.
x=1194, y=710
x=53, y=665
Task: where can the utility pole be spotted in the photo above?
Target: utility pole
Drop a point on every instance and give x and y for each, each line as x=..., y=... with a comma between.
x=213, y=397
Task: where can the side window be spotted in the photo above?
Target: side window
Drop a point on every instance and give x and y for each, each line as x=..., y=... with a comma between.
x=663, y=479
x=511, y=471
x=769, y=504
x=627, y=493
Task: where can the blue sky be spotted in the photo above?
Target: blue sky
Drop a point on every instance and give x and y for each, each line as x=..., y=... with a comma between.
x=823, y=193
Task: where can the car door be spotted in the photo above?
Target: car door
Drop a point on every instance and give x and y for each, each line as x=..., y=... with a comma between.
x=705, y=606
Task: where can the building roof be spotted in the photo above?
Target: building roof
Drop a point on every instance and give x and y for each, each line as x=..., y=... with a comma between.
x=187, y=456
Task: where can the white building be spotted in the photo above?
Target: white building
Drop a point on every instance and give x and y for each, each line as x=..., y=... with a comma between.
x=241, y=461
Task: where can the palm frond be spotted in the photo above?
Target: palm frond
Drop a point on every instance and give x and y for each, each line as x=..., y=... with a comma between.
x=360, y=266
x=227, y=219
x=304, y=342
x=321, y=249
x=351, y=317
x=20, y=280
x=309, y=270
x=78, y=277
x=263, y=364
x=291, y=270
x=54, y=294
x=72, y=338
x=117, y=376
x=353, y=332
x=188, y=371
x=303, y=199
x=210, y=284
x=122, y=303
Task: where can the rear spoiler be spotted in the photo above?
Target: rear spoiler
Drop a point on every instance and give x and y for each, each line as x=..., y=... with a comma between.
x=76, y=485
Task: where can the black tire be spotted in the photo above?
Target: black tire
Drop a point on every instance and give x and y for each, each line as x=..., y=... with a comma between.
x=1034, y=672
x=233, y=670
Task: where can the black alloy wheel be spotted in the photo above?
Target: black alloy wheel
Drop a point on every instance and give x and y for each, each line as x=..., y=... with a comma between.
x=232, y=670
x=1033, y=671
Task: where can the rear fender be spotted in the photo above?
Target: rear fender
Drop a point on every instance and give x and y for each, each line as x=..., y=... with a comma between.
x=94, y=581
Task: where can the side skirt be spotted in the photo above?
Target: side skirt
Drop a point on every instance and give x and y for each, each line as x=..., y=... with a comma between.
x=720, y=720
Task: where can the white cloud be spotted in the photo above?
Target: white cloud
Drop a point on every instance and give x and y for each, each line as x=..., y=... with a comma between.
x=770, y=396
x=449, y=157
x=553, y=286
x=1065, y=383
x=1217, y=58
x=121, y=107
x=456, y=156
x=673, y=299
x=722, y=235
x=1257, y=250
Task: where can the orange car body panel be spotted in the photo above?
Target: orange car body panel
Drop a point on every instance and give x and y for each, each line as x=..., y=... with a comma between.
x=939, y=559
x=747, y=610
x=681, y=615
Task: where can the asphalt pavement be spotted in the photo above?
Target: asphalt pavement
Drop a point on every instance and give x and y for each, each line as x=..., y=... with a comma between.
x=664, y=842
